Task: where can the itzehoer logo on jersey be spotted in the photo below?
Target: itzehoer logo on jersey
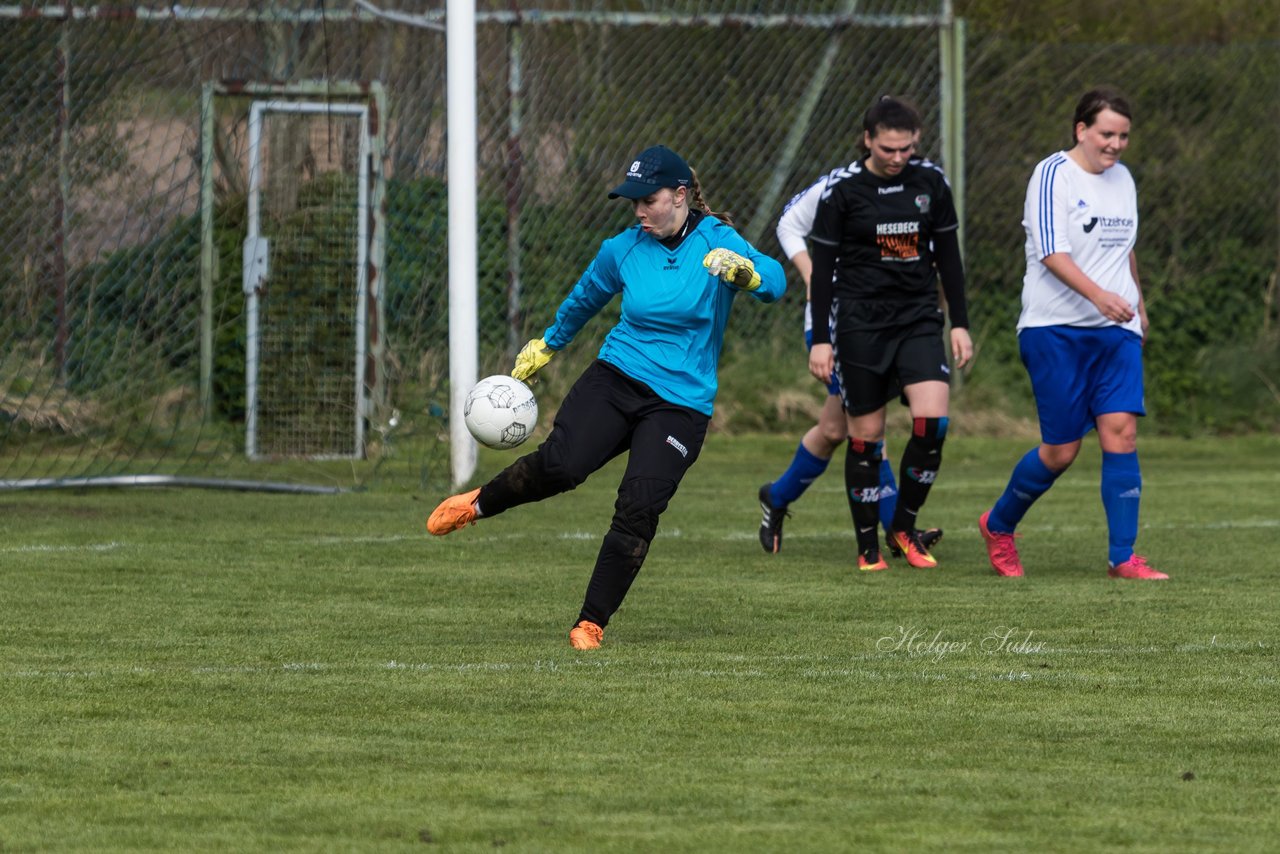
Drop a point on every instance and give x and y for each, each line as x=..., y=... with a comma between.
x=898, y=241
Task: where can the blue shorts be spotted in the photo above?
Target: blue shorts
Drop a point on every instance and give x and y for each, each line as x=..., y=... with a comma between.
x=1078, y=374
x=833, y=387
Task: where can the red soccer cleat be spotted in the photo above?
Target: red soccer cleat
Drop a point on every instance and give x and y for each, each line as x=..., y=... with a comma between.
x=1002, y=551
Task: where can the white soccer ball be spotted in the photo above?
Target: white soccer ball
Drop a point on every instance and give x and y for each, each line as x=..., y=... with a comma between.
x=500, y=412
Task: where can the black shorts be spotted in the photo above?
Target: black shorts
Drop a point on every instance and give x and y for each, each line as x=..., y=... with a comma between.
x=874, y=365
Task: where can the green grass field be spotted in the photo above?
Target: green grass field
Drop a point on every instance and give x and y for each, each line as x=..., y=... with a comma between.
x=186, y=670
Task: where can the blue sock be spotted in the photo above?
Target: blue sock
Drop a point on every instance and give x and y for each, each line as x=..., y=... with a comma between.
x=805, y=469
x=1031, y=478
x=888, y=494
x=1121, y=494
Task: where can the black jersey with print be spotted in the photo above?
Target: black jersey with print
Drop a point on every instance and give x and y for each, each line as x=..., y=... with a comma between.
x=881, y=230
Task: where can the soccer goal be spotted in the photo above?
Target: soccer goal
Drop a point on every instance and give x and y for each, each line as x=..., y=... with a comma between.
x=310, y=260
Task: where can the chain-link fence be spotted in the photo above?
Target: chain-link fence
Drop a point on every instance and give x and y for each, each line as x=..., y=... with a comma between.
x=124, y=316
x=1205, y=154
x=123, y=309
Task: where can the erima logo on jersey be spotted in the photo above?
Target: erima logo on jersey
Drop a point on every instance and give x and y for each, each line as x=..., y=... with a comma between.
x=675, y=443
x=671, y=264
x=887, y=191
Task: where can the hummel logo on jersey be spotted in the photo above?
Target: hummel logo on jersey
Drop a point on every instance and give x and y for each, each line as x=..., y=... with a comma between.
x=886, y=191
x=675, y=443
x=1088, y=226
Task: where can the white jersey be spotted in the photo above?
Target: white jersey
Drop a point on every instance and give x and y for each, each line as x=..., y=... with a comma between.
x=1093, y=218
x=794, y=227
x=797, y=219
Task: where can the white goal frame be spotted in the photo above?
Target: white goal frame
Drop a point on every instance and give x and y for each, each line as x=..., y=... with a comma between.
x=255, y=269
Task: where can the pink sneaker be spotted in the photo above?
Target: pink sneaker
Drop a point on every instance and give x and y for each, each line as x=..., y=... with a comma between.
x=1136, y=567
x=1002, y=551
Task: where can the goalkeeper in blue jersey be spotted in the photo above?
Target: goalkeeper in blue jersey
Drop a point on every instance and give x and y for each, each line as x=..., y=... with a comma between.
x=650, y=391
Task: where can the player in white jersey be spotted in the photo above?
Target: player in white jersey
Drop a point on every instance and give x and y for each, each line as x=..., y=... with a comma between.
x=820, y=442
x=1094, y=219
x=1081, y=331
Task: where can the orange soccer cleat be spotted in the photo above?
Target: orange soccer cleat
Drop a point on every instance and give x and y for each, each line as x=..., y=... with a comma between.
x=871, y=561
x=586, y=635
x=908, y=543
x=455, y=512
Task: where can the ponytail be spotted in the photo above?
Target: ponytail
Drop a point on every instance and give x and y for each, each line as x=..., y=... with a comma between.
x=696, y=190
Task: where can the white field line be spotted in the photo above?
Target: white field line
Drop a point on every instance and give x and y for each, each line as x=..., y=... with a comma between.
x=748, y=533
x=39, y=547
x=1050, y=528
x=1085, y=482
x=862, y=664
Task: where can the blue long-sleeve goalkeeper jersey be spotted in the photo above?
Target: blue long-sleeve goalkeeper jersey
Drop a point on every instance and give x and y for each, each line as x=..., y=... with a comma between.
x=673, y=312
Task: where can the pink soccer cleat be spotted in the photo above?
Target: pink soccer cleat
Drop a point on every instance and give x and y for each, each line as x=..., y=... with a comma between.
x=1136, y=567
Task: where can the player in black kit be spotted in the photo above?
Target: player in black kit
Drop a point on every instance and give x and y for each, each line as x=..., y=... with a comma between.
x=881, y=238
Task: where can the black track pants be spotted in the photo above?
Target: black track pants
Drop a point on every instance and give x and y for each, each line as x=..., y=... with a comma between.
x=605, y=414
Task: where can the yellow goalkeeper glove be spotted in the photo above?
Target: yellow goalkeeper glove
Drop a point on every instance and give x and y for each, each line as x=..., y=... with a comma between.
x=531, y=359
x=732, y=268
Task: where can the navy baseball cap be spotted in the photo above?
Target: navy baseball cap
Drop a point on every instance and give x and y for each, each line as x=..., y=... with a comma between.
x=653, y=169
